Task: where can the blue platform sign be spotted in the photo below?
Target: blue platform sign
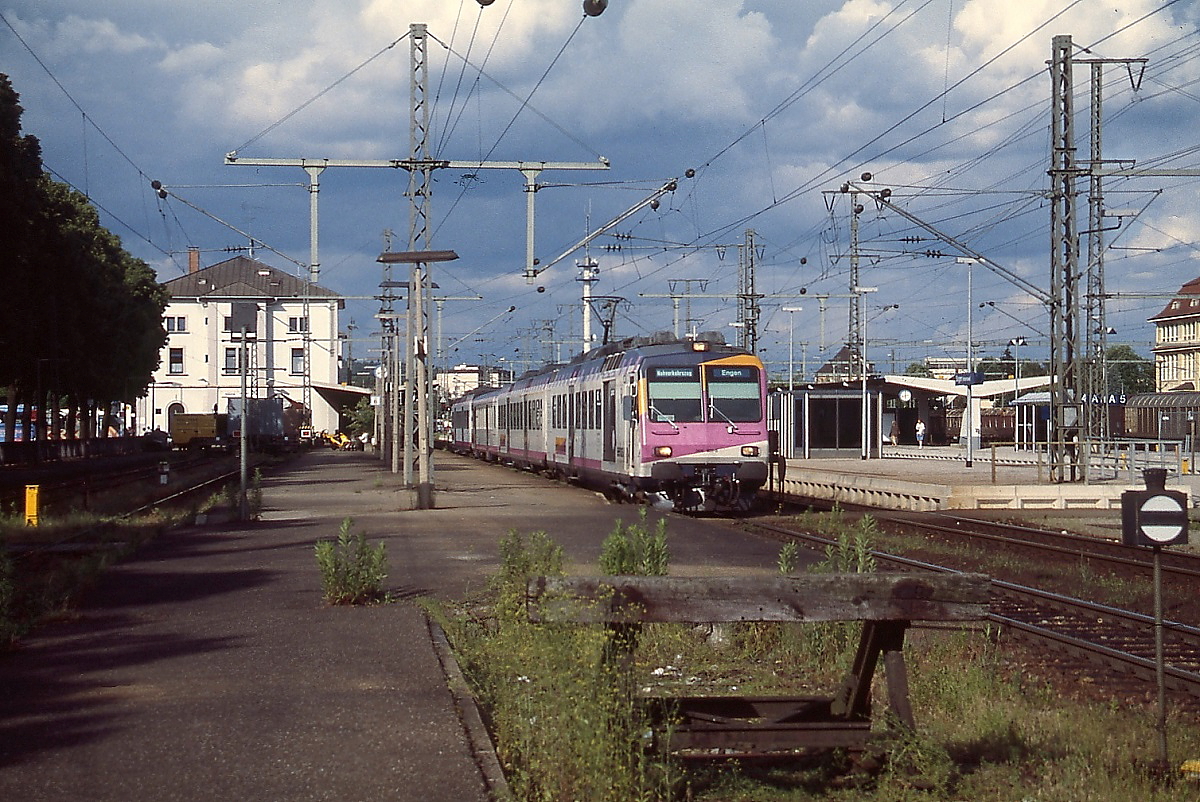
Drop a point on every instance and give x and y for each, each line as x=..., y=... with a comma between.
x=968, y=378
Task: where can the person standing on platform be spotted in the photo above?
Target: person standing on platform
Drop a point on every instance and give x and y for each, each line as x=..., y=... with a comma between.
x=920, y=433
x=894, y=432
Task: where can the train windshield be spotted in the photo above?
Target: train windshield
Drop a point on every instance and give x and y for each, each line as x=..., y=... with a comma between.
x=733, y=393
x=674, y=394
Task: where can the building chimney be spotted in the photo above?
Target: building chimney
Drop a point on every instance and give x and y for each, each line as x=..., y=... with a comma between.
x=193, y=259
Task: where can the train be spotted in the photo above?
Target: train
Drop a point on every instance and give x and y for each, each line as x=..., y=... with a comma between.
x=678, y=423
x=1172, y=415
x=274, y=426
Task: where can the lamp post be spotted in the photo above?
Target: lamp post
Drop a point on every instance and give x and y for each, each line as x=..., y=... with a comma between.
x=970, y=411
x=417, y=387
x=1016, y=343
x=859, y=292
x=1162, y=418
x=791, y=341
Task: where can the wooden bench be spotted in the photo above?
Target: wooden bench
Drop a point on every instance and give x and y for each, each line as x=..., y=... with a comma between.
x=887, y=604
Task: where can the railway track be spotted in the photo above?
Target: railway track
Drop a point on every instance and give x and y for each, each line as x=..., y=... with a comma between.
x=201, y=480
x=1098, y=551
x=1105, y=636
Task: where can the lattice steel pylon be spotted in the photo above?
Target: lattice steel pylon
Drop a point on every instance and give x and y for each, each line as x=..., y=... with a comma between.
x=418, y=428
x=747, y=297
x=1079, y=410
x=1066, y=392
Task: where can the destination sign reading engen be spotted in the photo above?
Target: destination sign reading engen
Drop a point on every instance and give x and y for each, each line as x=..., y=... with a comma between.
x=740, y=373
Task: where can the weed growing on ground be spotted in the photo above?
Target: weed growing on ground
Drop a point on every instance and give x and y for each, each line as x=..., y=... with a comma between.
x=352, y=572
x=9, y=629
x=566, y=729
x=564, y=721
x=635, y=550
x=789, y=555
x=254, y=495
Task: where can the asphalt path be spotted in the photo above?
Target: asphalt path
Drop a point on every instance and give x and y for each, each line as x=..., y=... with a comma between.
x=207, y=667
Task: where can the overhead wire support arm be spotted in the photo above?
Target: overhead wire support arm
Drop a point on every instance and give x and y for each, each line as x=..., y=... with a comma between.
x=532, y=271
x=530, y=169
x=416, y=164
x=881, y=197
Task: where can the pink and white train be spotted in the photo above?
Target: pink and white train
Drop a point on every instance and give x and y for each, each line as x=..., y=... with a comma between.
x=678, y=422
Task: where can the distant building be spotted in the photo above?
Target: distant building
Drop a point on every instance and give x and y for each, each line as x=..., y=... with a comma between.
x=200, y=364
x=1177, y=341
x=944, y=367
x=843, y=366
x=456, y=382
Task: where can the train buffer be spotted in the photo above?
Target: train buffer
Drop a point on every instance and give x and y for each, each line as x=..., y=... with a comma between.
x=887, y=604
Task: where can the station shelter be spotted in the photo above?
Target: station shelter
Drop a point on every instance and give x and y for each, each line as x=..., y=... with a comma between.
x=827, y=418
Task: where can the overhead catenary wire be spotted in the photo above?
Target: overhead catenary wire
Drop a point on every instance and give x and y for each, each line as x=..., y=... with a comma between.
x=320, y=94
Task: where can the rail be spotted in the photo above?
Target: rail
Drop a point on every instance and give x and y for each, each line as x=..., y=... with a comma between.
x=1084, y=629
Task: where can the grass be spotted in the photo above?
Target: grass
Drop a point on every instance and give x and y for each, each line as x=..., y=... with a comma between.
x=36, y=583
x=567, y=727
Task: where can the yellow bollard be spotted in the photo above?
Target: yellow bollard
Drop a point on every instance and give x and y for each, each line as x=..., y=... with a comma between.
x=31, y=505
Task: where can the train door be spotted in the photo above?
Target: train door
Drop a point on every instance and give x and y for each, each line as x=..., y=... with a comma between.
x=572, y=422
x=629, y=411
x=505, y=411
x=608, y=423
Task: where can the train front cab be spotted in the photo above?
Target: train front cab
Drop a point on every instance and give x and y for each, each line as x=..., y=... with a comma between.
x=703, y=434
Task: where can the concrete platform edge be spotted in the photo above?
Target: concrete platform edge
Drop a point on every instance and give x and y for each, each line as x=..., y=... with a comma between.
x=469, y=715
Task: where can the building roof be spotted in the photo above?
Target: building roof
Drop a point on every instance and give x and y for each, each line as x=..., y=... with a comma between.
x=1186, y=302
x=242, y=277
x=843, y=363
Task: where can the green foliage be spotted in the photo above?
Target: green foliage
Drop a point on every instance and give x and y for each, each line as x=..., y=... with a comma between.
x=563, y=720
x=254, y=496
x=1128, y=372
x=634, y=550
x=851, y=554
x=9, y=627
x=788, y=555
x=360, y=418
x=565, y=727
x=62, y=266
x=352, y=572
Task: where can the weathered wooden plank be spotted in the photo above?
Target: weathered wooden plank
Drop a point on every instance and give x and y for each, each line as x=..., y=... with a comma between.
x=809, y=597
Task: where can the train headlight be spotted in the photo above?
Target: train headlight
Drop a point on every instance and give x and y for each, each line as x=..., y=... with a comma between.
x=663, y=451
x=700, y=345
x=749, y=451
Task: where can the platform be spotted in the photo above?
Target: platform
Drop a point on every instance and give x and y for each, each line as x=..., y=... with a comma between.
x=937, y=478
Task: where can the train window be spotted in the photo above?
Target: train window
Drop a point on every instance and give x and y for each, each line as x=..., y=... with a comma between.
x=674, y=394
x=733, y=393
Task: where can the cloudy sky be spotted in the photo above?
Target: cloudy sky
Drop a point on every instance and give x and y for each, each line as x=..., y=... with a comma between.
x=773, y=104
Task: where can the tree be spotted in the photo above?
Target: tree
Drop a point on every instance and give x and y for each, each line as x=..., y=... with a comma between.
x=918, y=369
x=360, y=418
x=1128, y=372
x=96, y=310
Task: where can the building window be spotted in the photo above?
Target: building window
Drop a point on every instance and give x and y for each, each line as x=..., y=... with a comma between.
x=232, y=361
x=297, y=361
x=175, y=324
x=297, y=325
x=175, y=361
